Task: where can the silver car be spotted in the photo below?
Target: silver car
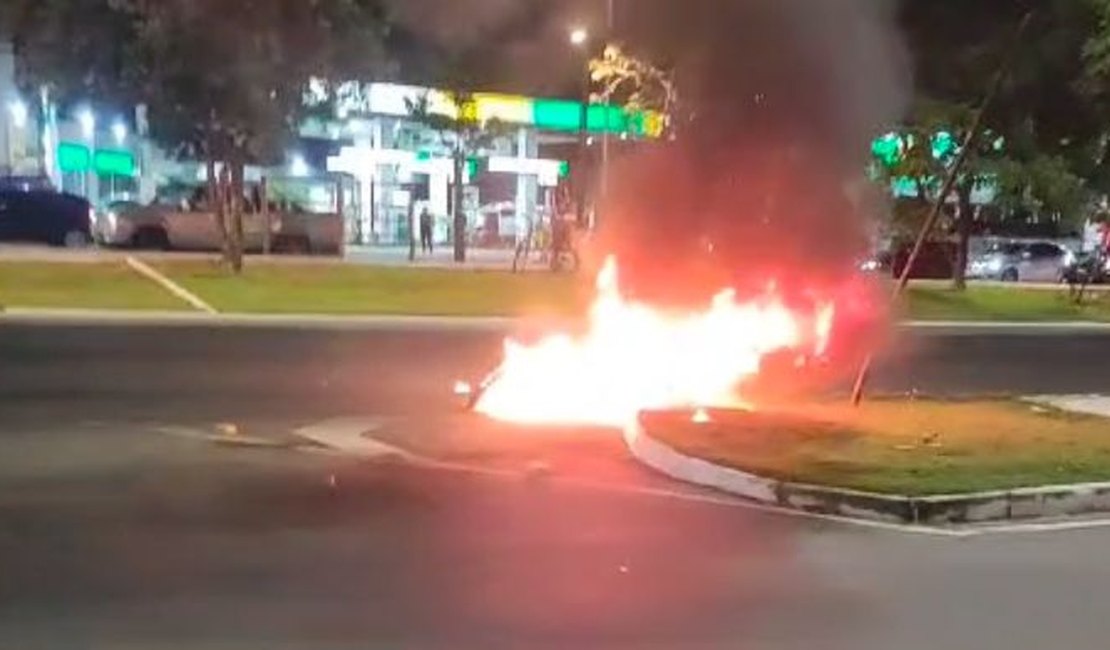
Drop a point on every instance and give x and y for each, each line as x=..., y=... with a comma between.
x=165, y=226
x=1041, y=261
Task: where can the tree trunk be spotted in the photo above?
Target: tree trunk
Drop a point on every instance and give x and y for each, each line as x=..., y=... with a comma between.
x=412, y=228
x=235, y=205
x=219, y=204
x=459, y=212
x=963, y=235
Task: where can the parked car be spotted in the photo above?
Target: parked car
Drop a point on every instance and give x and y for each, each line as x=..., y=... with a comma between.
x=1039, y=261
x=936, y=261
x=191, y=225
x=25, y=183
x=46, y=217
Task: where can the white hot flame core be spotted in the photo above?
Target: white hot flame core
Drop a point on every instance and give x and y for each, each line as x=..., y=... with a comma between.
x=635, y=357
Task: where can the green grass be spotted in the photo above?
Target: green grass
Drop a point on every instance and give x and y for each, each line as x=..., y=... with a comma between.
x=351, y=289
x=909, y=447
x=1003, y=303
x=80, y=286
x=336, y=288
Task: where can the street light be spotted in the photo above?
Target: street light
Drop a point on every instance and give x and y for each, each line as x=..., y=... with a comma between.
x=119, y=131
x=87, y=119
x=18, y=110
x=298, y=166
x=579, y=38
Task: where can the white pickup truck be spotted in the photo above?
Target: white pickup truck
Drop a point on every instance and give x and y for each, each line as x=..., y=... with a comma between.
x=162, y=226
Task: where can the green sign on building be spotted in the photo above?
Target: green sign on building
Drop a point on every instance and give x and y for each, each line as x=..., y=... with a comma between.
x=76, y=158
x=73, y=157
x=119, y=163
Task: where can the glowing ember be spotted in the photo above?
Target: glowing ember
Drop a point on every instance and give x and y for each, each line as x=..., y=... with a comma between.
x=635, y=357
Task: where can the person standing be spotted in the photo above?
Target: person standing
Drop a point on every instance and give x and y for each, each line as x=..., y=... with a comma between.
x=426, y=224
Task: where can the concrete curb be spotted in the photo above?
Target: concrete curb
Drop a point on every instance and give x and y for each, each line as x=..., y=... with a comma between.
x=976, y=507
x=490, y=323
x=296, y=321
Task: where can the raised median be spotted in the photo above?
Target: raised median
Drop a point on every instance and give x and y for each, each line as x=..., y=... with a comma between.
x=352, y=289
x=900, y=459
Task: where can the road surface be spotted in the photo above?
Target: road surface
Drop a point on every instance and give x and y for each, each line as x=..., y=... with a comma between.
x=116, y=535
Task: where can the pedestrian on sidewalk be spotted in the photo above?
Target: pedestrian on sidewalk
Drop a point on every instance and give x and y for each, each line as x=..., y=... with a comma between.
x=426, y=231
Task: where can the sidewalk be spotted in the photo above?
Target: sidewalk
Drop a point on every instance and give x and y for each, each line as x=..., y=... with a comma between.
x=486, y=259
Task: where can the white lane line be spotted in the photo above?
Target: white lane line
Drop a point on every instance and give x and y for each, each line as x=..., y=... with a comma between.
x=973, y=327
x=731, y=502
x=1046, y=527
x=144, y=269
x=203, y=435
x=347, y=435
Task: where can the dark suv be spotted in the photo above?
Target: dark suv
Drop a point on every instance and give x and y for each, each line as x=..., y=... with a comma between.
x=45, y=217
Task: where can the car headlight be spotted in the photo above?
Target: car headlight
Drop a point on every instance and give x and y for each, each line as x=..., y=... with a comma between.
x=1069, y=258
x=994, y=265
x=111, y=220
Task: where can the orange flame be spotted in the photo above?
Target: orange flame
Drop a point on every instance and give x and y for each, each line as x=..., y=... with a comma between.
x=635, y=357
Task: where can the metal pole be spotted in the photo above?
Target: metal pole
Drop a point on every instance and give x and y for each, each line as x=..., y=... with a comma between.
x=267, y=221
x=610, y=28
x=946, y=189
x=583, y=147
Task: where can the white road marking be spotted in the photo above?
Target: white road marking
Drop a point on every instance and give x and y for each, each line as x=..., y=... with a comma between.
x=144, y=269
x=223, y=439
x=347, y=434
x=1044, y=527
x=1090, y=404
x=153, y=318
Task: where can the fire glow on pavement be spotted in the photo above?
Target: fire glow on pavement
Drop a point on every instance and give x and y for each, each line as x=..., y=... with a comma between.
x=634, y=357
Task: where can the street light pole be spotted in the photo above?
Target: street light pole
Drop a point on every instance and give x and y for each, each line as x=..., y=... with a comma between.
x=579, y=38
x=610, y=28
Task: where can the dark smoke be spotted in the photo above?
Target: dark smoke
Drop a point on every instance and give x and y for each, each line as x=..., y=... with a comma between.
x=785, y=96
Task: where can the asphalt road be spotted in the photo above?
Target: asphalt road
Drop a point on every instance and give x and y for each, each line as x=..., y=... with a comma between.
x=113, y=535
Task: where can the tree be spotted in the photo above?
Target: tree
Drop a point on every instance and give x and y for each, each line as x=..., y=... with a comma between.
x=463, y=134
x=223, y=82
x=1035, y=149
x=635, y=83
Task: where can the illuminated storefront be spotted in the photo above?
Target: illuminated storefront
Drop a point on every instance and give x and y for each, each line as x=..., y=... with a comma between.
x=401, y=167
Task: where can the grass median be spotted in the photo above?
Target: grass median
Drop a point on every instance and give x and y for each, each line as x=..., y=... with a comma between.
x=992, y=303
x=338, y=288
x=355, y=289
x=108, y=285
x=909, y=447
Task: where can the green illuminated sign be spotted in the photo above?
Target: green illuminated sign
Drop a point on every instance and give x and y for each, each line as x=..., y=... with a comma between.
x=120, y=163
x=565, y=115
x=73, y=157
x=556, y=114
x=944, y=145
x=76, y=158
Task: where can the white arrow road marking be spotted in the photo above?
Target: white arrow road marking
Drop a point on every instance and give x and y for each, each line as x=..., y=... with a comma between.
x=348, y=435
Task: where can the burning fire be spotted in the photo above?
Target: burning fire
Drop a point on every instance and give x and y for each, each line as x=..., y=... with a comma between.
x=634, y=357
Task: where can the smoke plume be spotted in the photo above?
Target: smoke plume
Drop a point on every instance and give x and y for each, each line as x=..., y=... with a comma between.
x=782, y=97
